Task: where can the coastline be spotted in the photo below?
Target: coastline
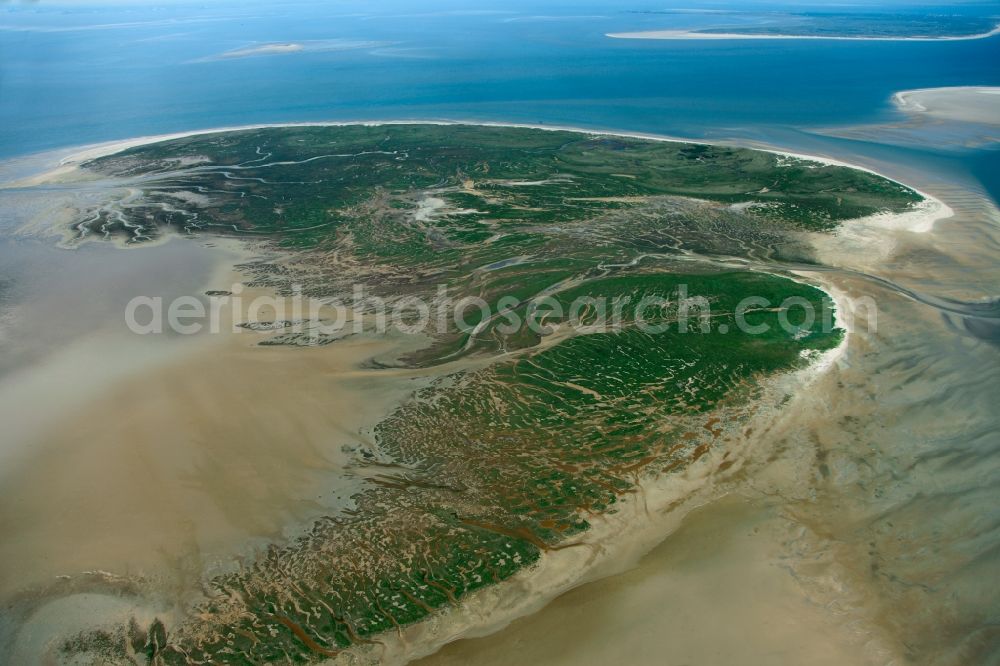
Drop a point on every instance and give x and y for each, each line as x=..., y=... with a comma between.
x=922, y=222
x=919, y=220
x=614, y=542
x=715, y=592
x=694, y=35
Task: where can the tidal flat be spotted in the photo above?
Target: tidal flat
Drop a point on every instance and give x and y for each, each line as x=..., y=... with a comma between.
x=860, y=512
x=564, y=428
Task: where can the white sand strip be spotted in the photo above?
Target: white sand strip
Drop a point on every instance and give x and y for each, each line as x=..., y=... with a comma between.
x=692, y=34
x=968, y=104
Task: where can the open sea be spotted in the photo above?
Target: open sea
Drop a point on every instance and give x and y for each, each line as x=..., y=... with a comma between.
x=77, y=73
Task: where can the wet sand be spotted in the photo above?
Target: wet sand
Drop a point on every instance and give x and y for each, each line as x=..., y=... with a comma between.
x=145, y=464
x=734, y=574
x=717, y=591
x=195, y=459
x=944, y=118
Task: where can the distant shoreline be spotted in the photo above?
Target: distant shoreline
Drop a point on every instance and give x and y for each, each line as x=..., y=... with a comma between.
x=693, y=34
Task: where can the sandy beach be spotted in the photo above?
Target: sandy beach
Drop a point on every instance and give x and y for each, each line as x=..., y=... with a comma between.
x=750, y=574
x=286, y=490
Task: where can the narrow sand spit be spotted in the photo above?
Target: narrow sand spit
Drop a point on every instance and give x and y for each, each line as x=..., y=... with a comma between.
x=694, y=35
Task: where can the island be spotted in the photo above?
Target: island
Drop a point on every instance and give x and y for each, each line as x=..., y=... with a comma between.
x=830, y=25
x=523, y=453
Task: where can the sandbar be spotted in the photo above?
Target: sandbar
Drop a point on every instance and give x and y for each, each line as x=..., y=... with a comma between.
x=970, y=104
x=692, y=34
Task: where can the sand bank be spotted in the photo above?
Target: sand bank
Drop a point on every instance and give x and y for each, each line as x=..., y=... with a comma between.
x=969, y=104
x=691, y=34
x=717, y=591
x=952, y=118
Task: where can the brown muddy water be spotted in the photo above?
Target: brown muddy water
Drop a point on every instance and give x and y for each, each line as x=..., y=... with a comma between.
x=143, y=464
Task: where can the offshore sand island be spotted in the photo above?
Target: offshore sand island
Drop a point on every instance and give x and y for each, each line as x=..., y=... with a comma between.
x=827, y=29
x=969, y=104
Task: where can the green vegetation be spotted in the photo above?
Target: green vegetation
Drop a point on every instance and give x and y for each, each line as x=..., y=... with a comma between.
x=490, y=466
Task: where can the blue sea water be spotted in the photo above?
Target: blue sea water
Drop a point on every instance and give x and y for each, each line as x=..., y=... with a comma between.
x=78, y=73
